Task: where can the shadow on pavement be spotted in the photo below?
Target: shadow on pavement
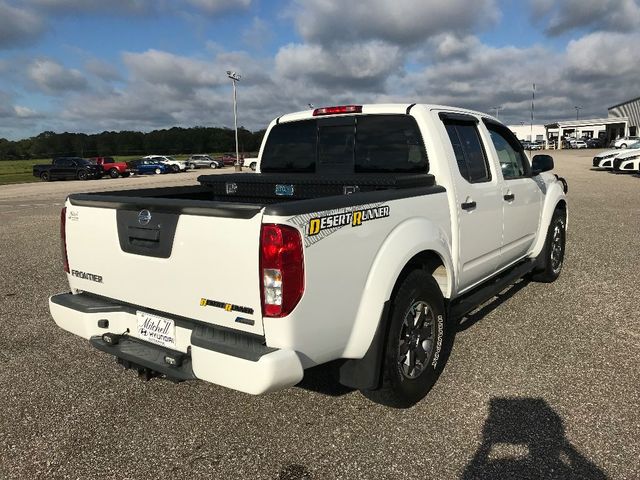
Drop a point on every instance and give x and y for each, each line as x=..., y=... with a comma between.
x=524, y=438
x=475, y=316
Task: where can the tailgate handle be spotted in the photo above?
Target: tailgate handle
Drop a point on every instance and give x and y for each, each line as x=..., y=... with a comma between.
x=145, y=234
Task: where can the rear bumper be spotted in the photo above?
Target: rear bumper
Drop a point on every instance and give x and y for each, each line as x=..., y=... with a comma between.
x=227, y=358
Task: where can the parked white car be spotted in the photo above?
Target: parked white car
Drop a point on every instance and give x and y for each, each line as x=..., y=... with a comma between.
x=625, y=142
x=605, y=159
x=250, y=162
x=578, y=144
x=175, y=165
x=628, y=161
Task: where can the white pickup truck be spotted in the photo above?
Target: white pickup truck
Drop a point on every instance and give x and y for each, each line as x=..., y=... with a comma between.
x=366, y=233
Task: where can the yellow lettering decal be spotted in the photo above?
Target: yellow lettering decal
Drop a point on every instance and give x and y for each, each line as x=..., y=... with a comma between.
x=314, y=226
x=357, y=218
x=227, y=307
x=203, y=302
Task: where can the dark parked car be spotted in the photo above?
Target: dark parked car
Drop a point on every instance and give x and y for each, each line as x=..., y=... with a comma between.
x=67, y=168
x=594, y=143
x=143, y=166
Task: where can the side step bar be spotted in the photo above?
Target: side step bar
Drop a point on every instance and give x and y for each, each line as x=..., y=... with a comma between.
x=476, y=297
x=137, y=355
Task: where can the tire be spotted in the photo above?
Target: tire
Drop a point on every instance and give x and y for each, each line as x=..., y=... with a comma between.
x=624, y=145
x=213, y=165
x=192, y=166
x=252, y=166
x=406, y=379
x=114, y=173
x=45, y=177
x=552, y=256
x=158, y=171
x=175, y=168
x=83, y=175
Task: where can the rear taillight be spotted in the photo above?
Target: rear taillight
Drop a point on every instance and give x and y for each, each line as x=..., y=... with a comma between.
x=63, y=239
x=281, y=269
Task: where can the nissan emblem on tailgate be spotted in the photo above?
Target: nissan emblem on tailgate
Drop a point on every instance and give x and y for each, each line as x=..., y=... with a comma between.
x=144, y=217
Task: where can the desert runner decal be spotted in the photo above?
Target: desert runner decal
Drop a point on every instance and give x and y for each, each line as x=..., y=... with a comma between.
x=317, y=226
x=229, y=307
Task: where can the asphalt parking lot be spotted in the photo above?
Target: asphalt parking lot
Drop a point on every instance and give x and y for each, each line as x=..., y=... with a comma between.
x=542, y=383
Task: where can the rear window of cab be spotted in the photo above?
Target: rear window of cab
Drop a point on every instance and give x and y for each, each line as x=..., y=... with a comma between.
x=346, y=144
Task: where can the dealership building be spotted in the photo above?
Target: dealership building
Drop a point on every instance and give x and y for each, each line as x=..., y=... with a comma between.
x=623, y=119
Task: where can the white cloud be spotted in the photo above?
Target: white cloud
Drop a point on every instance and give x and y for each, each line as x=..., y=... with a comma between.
x=355, y=65
x=18, y=26
x=401, y=22
x=51, y=77
x=218, y=6
x=611, y=15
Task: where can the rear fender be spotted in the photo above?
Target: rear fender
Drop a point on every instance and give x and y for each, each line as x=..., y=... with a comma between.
x=409, y=238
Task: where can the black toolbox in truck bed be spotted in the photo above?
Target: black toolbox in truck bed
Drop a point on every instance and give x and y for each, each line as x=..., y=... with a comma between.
x=278, y=187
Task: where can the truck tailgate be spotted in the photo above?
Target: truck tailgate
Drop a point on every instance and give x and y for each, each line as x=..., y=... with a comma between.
x=196, y=266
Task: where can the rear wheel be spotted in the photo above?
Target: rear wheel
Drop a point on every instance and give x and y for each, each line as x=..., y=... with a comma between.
x=192, y=166
x=114, y=173
x=83, y=175
x=416, y=344
x=253, y=166
x=624, y=145
x=552, y=256
x=45, y=177
x=158, y=171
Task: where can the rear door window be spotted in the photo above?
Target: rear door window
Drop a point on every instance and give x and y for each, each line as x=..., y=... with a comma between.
x=469, y=152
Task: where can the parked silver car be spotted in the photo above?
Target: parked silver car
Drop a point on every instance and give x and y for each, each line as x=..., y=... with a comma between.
x=199, y=161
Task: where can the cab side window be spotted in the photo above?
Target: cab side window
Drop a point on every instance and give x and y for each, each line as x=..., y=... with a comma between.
x=513, y=161
x=470, y=155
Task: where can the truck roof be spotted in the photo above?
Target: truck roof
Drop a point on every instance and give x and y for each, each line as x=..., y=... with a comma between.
x=383, y=108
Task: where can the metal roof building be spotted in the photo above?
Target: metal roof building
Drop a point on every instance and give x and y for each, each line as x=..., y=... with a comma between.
x=629, y=110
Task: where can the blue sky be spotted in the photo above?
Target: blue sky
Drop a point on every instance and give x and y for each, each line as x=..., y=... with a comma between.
x=92, y=65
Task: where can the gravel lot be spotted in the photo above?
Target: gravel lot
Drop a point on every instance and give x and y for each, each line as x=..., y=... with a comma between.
x=542, y=383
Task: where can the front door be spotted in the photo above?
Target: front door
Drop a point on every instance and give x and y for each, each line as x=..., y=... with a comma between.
x=521, y=195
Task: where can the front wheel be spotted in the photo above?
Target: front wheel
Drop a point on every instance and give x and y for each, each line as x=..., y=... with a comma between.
x=552, y=256
x=83, y=175
x=252, y=166
x=192, y=166
x=45, y=177
x=113, y=173
x=213, y=165
x=158, y=171
x=417, y=342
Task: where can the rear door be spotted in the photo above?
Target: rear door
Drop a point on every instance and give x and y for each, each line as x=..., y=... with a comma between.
x=521, y=195
x=478, y=201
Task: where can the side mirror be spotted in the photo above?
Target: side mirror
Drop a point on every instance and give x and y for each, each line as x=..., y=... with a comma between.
x=541, y=163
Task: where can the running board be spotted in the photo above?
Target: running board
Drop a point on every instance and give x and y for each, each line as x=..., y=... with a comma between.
x=476, y=297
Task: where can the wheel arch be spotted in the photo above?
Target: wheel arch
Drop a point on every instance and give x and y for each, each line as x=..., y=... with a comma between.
x=417, y=243
x=555, y=199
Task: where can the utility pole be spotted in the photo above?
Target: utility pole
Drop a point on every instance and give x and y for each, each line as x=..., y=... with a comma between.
x=497, y=109
x=578, y=108
x=235, y=77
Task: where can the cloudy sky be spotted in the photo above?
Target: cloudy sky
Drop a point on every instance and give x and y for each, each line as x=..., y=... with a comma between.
x=94, y=65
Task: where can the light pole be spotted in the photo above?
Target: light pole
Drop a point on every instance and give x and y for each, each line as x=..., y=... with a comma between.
x=235, y=77
x=578, y=111
x=497, y=109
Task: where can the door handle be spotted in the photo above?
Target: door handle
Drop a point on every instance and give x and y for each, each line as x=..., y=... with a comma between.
x=468, y=205
x=509, y=197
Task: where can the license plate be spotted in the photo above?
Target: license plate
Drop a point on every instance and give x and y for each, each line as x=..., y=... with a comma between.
x=158, y=330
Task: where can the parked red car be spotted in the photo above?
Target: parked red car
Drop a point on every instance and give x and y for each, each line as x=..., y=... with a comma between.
x=230, y=159
x=111, y=167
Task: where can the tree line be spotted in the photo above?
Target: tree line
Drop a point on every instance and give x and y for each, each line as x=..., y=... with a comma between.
x=170, y=141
